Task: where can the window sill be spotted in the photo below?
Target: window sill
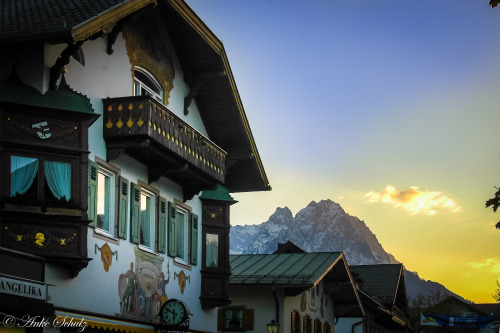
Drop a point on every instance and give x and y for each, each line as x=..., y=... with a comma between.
x=104, y=235
x=181, y=263
x=146, y=249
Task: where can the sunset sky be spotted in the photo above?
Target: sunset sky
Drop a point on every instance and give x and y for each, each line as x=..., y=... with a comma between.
x=388, y=107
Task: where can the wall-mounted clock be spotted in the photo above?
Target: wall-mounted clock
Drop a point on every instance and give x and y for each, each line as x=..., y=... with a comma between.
x=174, y=312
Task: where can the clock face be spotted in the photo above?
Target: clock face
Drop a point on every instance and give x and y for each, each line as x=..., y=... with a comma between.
x=173, y=312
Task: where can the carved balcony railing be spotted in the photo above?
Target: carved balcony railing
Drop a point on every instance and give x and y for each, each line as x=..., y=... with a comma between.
x=169, y=146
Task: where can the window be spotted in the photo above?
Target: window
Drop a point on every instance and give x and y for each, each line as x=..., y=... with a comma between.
x=307, y=323
x=295, y=322
x=37, y=178
x=318, y=326
x=181, y=239
x=182, y=234
x=148, y=218
x=235, y=319
x=107, y=199
x=327, y=328
x=146, y=85
x=212, y=250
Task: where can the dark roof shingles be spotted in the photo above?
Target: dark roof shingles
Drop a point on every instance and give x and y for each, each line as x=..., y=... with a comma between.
x=25, y=16
x=380, y=281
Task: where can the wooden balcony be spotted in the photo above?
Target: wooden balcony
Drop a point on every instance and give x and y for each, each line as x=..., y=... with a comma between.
x=149, y=132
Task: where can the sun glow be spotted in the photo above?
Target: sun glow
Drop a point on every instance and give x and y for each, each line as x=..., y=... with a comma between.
x=414, y=200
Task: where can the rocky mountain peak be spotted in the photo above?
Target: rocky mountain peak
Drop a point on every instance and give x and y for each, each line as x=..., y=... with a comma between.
x=282, y=215
x=321, y=227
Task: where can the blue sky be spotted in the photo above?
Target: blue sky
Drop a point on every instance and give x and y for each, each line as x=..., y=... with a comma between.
x=389, y=107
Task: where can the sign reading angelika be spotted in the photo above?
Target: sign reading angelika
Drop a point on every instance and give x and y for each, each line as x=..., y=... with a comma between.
x=22, y=288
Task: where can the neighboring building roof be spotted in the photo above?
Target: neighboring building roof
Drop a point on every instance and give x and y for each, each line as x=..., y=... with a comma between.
x=452, y=305
x=297, y=272
x=304, y=269
x=383, y=292
x=491, y=309
x=380, y=281
x=288, y=247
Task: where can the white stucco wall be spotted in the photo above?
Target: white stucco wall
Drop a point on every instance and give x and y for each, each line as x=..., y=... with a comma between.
x=95, y=290
x=261, y=299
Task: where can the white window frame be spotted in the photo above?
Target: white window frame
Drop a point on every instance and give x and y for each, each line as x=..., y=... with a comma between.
x=112, y=201
x=185, y=237
x=139, y=85
x=152, y=221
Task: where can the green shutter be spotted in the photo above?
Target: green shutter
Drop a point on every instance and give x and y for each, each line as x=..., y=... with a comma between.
x=172, y=247
x=122, y=208
x=135, y=207
x=92, y=195
x=162, y=225
x=194, y=239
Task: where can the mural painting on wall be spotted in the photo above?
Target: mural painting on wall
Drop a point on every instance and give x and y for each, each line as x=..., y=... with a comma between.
x=150, y=52
x=142, y=289
x=182, y=278
x=322, y=311
x=313, y=292
x=106, y=255
x=303, y=301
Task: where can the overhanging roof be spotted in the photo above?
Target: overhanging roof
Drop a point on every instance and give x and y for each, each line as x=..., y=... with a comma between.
x=380, y=281
x=62, y=20
x=296, y=272
x=289, y=269
x=201, y=53
x=204, y=61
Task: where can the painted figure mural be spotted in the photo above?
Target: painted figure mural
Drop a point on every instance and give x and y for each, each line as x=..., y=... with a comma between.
x=142, y=291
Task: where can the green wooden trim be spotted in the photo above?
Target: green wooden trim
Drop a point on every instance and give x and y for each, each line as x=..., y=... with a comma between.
x=92, y=193
x=172, y=246
x=135, y=206
x=122, y=207
x=194, y=239
x=162, y=225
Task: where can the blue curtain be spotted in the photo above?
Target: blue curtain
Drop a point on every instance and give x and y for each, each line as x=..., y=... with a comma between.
x=58, y=177
x=23, y=171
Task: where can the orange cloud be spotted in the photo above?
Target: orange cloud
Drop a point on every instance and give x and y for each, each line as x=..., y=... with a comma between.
x=414, y=200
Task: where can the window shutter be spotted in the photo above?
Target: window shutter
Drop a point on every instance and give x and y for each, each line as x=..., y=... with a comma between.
x=162, y=225
x=292, y=322
x=247, y=319
x=220, y=319
x=172, y=247
x=92, y=196
x=135, y=206
x=194, y=239
x=299, y=329
x=122, y=208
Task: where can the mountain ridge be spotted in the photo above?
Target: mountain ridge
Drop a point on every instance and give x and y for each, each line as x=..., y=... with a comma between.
x=324, y=226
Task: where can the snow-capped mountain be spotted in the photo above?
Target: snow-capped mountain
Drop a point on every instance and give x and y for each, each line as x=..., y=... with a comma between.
x=323, y=227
